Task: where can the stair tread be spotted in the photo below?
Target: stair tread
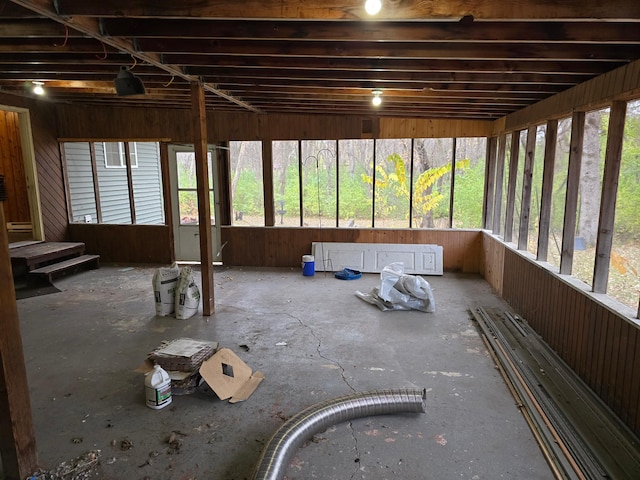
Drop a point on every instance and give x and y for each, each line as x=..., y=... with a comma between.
x=58, y=266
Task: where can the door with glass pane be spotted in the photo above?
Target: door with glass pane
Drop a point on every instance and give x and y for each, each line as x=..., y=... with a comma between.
x=185, y=204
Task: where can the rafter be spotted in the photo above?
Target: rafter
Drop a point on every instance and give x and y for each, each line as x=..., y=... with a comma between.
x=90, y=26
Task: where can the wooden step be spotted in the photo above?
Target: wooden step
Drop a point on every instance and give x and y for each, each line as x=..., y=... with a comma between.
x=49, y=271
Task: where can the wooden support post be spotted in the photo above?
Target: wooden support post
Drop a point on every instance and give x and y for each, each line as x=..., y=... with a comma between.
x=17, y=438
x=573, y=186
x=202, y=185
x=551, y=139
x=452, y=185
x=525, y=204
x=497, y=204
x=132, y=200
x=613, y=157
x=166, y=195
x=489, y=183
x=267, y=181
x=511, y=187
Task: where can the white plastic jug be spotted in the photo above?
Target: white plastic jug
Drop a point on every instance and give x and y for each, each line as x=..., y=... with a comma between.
x=157, y=386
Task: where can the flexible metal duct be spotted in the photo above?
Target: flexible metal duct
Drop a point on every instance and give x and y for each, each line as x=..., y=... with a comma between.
x=317, y=418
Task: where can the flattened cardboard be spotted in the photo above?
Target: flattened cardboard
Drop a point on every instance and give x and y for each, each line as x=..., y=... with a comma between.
x=229, y=377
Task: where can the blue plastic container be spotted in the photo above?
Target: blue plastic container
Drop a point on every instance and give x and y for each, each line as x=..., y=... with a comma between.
x=308, y=265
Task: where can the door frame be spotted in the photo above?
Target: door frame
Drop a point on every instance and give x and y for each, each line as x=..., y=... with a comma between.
x=176, y=226
x=30, y=169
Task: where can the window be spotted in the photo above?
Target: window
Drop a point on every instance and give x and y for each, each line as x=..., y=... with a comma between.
x=319, y=183
x=328, y=183
x=392, y=180
x=247, y=189
x=559, y=192
x=624, y=270
x=536, y=190
x=286, y=183
x=114, y=155
x=593, y=152
x=188, y=191
x=355, y=192
x=102, y=194
x=431, y=185
x=469, y=182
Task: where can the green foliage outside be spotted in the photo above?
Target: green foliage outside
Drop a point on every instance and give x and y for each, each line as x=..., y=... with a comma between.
x=393, y=190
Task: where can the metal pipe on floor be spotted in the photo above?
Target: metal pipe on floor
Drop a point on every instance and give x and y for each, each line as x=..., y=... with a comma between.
x=281, y=447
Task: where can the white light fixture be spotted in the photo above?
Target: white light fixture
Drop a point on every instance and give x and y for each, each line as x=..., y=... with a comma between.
x=377, y=98
x=373, y=7
x=37, y=88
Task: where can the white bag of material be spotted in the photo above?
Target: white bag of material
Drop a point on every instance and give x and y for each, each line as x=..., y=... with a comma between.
x=187, y=295
x=165, y=280
x=399, y=291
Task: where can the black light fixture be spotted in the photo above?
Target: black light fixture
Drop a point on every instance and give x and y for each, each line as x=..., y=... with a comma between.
x=127, y=83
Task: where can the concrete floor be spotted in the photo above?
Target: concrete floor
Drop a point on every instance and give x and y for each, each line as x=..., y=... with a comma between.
x=83, y=344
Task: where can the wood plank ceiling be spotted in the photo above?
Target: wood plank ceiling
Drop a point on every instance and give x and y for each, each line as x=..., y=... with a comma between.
x=472, y=59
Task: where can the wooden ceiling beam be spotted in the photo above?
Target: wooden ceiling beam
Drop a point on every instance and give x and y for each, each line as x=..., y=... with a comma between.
x=348, y=75
x=90, y=27
x=354, y=9
x=503, y=32
x=416, y=50
x=390, y=64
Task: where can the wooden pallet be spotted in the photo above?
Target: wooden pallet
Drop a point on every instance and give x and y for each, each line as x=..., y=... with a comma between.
x=48, y=272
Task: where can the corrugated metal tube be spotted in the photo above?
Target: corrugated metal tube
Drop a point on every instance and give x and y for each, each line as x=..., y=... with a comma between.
x=317, y=418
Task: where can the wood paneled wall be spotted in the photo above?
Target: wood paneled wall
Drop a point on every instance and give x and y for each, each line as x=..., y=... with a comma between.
x=16, y=207
x=48, y=164
x=78, y=122
x=620, y=84
x=53, y=203
x=600, y=345
x=125, y=243
x=284, y=247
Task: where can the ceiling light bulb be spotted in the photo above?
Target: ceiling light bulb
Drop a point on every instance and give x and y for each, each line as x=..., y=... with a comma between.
x=373, y=6
x=376, y=100
x=37, y=88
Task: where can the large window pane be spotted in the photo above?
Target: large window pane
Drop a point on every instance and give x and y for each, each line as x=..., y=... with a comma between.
x=80, y=177
x=187, y=188
x=247, y=198
x=624, y=271
x=431, y=182
x=469, y=184
x=593, y=152
x=392, y=177
x=114, y=188
x=355, y=191
x=147, y=183
x=559, y=193
x=286, y=183
x=517, y=208
x=505, y=183
x=319, y=183
x=536, y=190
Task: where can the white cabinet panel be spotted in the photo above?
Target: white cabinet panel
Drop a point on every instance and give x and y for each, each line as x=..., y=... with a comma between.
x=373, y=257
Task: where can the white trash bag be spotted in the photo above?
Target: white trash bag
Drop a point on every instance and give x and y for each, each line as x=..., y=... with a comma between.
x=399, y=291
x=164, y=282
x=187, y=295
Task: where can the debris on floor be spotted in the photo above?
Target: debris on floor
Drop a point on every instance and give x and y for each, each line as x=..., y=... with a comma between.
x=80, y=468
x=229, y=377
x=400, y=291
x=348, y=274
x=181, y=358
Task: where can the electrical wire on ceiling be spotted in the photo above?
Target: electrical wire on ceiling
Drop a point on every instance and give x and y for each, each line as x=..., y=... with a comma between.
x=66, y=37
x=104, y=49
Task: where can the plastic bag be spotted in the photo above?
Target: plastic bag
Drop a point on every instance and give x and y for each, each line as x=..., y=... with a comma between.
x=164, y=282
x=399, y=291
x=187, y=295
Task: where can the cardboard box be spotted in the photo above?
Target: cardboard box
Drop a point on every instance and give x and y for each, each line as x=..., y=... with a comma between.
x=229, y=377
